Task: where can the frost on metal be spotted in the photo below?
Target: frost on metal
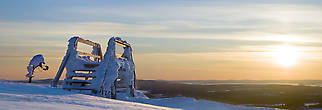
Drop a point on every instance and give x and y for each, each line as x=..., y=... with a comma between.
x=105, y=76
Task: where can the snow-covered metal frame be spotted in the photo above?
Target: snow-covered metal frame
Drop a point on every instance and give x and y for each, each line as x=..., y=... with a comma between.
x=104, y=76
x=72, y=53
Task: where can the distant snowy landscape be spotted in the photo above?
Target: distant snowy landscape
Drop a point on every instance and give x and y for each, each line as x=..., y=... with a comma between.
x=18, y=96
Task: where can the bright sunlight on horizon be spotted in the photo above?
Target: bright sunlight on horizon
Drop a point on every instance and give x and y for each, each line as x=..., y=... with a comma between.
x=286, y=55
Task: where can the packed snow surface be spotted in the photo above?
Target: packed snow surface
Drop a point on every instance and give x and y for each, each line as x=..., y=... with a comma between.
x=14, y=96
x=18, y=96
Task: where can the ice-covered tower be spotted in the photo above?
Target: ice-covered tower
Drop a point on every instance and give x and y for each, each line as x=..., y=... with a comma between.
x=92, y=73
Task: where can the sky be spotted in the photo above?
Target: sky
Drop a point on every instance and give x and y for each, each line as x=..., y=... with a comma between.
x=172, y=39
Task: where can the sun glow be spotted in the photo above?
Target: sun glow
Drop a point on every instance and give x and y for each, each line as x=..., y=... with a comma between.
x=286, y=55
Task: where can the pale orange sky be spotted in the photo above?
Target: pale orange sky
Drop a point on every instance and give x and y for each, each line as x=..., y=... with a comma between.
x=187, y=40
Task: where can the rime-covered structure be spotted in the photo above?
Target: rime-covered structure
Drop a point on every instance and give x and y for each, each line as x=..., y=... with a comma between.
x=36, y=61
x=105, y=75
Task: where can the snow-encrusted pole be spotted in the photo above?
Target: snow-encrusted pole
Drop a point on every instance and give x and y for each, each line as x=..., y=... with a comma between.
x=110, y=73
x=131, y=71
x=36, y=61
x=71, y=46
x=106, y=74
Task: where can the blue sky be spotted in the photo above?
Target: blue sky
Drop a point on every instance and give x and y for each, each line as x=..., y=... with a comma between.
x=213, y=29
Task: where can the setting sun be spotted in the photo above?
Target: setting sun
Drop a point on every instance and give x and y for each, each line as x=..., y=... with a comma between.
x=286, y=55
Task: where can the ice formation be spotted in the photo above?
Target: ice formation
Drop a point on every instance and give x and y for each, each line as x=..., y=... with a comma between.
x=92, y=73
x=36, y=61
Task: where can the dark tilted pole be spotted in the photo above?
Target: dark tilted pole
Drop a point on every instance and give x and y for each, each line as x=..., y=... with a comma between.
x=30, y=79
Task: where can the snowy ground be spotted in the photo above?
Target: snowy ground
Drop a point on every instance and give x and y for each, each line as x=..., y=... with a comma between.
x=18, y=96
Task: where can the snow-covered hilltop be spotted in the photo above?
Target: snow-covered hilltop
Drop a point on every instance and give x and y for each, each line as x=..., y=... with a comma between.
x=22, y=96
x=18, y=96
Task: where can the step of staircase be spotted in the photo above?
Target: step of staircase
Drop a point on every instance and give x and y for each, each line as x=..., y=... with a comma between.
x=121, y=90
x=90, y=75
x=77, y=81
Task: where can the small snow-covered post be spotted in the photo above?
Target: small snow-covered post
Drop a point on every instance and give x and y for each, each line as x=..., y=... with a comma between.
x=36, y=61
